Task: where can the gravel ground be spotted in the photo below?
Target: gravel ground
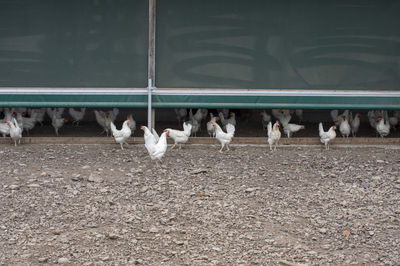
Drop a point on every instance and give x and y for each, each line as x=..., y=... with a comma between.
x=93, y=205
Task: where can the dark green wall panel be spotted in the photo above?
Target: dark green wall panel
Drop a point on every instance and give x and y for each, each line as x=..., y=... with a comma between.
x=278, y=44
x=73, y=43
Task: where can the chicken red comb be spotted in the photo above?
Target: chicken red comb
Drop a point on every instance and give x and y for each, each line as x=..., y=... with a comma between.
x=217, y=118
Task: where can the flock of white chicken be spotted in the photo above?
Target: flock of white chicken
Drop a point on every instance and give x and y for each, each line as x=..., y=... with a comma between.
x=379, y=121
x=17, y=120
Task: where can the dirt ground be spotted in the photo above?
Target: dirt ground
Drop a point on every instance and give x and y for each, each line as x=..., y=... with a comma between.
x=97, y=204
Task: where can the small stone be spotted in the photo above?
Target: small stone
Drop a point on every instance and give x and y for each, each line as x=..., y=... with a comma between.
x=179, y=243
x=76, y=177
x=218, y=249
x=198, y=171
x=153, y=230
x=43, y=260
x=144, y=189
x=251, y=189
x=95, y=178
x=323, y=230
x=86, y=167
x=63, y=260
x=14, y=187
x=33, y=185
x=113, y=236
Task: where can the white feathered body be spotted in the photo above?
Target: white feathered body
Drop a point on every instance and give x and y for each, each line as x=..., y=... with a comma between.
x=221, y=136
x=291, y=128
x=77, y=115
x=180, y=136
x=57, y=123
x=132, y=122
x=344, y=127
x=156, y=150
x=39, y=113
x=382, y=127
x=4, y=129
x=231, y=120
x=15, y=130
x=355, y=124
x=326, y=137
x=123, y=134
x=149, y=137
x=274, y=134
x=210, y=127
x=28, y=123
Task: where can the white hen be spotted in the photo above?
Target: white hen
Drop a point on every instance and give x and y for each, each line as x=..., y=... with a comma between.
x=57, y=123
x=231, y=120
x=210, y=127
x=39, y=113
x=122, y=135
x=195, y=123
x=29, y=122
x=355, y=124
x=179, y=136
x=344, y=127
x=291, y=128
x=156, y=150
x=4, y=129
x=147, y=134
x=326, y=137
x=274, y=134
x=224, y=138
x=382, y=127
x=132, y=123
x=77, y=115
x=100, y=118
x=15, y=131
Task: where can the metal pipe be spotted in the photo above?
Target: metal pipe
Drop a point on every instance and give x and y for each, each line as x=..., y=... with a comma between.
x=149, y=92
x=151, y=65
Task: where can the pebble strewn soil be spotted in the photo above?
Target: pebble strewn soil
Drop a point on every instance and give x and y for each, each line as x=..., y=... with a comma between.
x=97, y=204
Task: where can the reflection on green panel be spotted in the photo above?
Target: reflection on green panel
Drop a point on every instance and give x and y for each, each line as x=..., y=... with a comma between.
x=278, y=44
x=73, y=43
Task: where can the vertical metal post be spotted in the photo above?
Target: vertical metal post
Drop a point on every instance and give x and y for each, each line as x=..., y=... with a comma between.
x=149, y=109
x=151, y=76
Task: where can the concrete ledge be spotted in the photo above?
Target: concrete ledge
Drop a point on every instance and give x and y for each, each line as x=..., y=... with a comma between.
x=202, y=140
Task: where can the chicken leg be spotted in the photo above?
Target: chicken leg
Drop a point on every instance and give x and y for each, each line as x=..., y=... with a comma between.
x=173, y=146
